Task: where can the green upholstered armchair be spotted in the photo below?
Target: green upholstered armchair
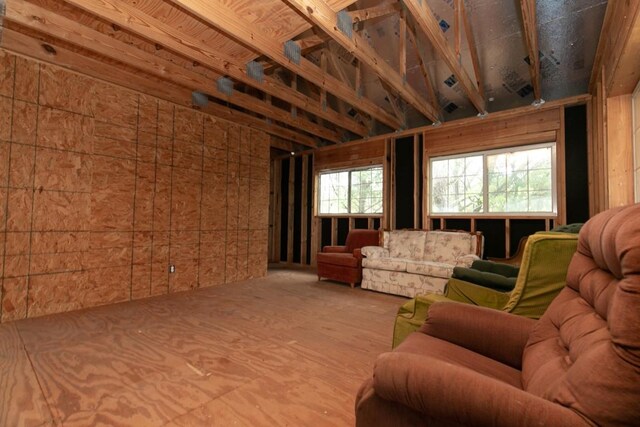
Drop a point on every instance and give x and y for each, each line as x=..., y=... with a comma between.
x=541, y=276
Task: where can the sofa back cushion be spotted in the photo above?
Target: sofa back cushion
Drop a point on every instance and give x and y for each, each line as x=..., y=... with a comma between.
x=447, y=246
x=408, y=244
x=584, y=352
x=357, y=239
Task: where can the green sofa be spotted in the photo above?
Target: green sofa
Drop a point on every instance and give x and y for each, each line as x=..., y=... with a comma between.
x=541, y=276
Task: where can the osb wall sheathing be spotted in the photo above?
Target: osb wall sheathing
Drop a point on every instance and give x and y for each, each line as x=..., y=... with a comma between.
x=102, y=188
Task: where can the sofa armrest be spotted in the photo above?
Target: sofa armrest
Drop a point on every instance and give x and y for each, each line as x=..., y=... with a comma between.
x=375, y=252
x=457, y=395
x=334, y=249
x=495, y=334
x=357, y=253
x=466, y=260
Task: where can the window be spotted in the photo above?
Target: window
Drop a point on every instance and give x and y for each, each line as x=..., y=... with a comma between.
x=355, y=191
x=518, y=180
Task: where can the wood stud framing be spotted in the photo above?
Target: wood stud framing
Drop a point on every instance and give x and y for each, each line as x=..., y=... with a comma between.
x=427, y=23
x=324, y=17
x=221, y=17
x=131, y=18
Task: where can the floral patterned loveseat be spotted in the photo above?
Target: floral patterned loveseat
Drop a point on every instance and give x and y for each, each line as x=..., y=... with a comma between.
x=414, y=262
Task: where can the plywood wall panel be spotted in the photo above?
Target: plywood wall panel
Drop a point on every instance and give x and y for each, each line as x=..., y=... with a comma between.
x=5, y=118
x=7, y=69
x=14, y=303
x=65, y=91
x=22, y=166
x=121, y=185
x=27, y=76
x=23, y=122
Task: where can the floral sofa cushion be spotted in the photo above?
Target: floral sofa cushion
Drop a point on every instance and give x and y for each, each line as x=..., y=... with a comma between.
x=408, y=244
x=429, y=268
x=448, y=247
x=391, y=264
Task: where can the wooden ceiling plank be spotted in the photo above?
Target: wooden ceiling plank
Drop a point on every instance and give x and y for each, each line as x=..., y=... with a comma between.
x=425, y=71
x=39, y=19
x=27, y=45
x=428, y=24
x=215, y=13
x=530, y=32
x=322, y=15
x=134, y=20
x=473, y=48
x=368, y=13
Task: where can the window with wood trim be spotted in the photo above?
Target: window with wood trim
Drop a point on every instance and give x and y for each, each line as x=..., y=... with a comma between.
x=351, y=191
x=518, y=180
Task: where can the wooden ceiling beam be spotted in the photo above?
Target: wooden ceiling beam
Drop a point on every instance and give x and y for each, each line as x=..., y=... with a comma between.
x=428, y=24
x=530, y=32
x=39, y=19
x=374, y=12
x=473, y=48
x=128, y=17
x=318, y=12
x=32, y=47
x=218, y=15
x=425, y=71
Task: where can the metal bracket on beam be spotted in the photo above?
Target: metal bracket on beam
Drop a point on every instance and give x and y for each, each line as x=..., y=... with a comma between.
x=292, y=51
x=345, y=23
x=255, y=70
x=538, y=103
x=225, y=85
x=436, y=124
x=199, y=99
x=483, y=115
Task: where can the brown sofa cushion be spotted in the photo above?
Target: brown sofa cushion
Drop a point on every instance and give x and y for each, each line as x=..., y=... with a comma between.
x=345, y=259
x=585, y=352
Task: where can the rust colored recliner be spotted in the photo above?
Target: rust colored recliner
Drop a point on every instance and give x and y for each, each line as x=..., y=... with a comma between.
x=344, y=263
x=578, y=365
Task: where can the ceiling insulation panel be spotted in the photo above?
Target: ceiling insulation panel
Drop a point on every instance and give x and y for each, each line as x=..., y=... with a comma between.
x=568, y=37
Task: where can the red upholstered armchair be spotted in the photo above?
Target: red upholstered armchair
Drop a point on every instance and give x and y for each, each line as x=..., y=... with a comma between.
x=344, y=263
x=579, y=365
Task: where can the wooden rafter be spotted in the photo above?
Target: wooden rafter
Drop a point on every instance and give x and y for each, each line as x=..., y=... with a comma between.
x=136, y=21
x=28, y=45
x=402, y=48
x=322, y=15
x=423, y=68
x=395, y=104
x=428, y=24
x=362, y=15
x=217, y=14
x=34, y=17
x=530, y=32
x=457, y=26
x=473, y=48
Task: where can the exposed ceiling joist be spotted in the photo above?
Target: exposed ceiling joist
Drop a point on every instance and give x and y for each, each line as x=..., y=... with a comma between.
x=23, y=44
x=428, y=24
x=136, y=21
x=473, y=48
x=217, y=14
x=374, y=12
x=528, y=8
x=34, y=17
x=425, y=71
x=322, y=15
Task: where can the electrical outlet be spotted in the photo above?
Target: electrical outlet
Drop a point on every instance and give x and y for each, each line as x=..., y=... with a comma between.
x=172, y=268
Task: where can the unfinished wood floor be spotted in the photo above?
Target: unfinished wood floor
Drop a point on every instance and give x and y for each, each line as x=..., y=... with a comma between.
x=282, y=350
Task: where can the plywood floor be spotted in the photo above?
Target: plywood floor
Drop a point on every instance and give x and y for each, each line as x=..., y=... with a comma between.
x=282, y=350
